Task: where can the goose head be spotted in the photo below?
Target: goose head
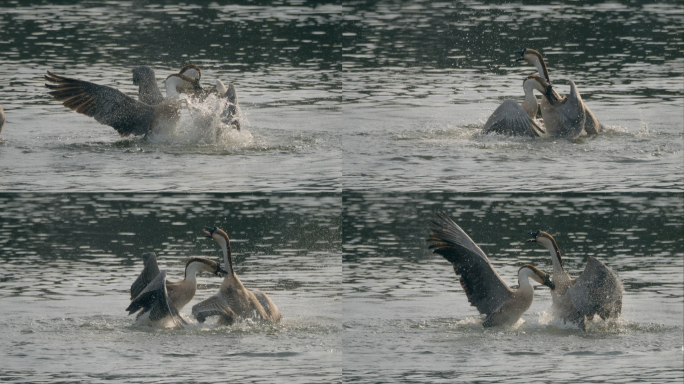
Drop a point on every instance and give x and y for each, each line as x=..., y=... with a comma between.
x=206, y=265
x=535, y=58
x=547, y=241
x=191, y=70
x=221, y=237
x=178, y=83
x=534, y=273
x=142, y=74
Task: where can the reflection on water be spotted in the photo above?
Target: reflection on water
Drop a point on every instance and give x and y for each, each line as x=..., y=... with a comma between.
x=69, y=261
x=407, y=316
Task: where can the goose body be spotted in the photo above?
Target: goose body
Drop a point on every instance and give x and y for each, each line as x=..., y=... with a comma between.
x=161, y=300
x=482, y=284
x=233, y=301
x=516, y=119
x=597, y=290
x=112, y=107
x=567, y=116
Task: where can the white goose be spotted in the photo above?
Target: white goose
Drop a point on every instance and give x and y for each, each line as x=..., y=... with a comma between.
x=484, y=287
x=597, y=290
x=233, y=301
x=161, y=300
x=563, y=115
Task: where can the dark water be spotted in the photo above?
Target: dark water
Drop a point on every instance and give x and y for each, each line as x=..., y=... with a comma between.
x=408, y=320
x=69, y=261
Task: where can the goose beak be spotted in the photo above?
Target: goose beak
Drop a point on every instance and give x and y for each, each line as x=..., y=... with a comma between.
x=548, y=282
x=550, y=94
x=220, y=270
x=522, y=54
x=534, y=239
x=208, y=231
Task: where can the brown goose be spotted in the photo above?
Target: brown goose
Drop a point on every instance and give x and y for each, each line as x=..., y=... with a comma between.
x=597, y=290
x=160, y=299
x=110, y=106
x=484, y=288
x=563, y=115
x=233, y=301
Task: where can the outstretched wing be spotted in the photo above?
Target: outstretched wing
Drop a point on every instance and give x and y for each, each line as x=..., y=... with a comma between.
x=483, y=286
x=107, y=105
x=213, y=306
x=149, y=272
x=597, y=290
x=510, y=119
x=155, y=299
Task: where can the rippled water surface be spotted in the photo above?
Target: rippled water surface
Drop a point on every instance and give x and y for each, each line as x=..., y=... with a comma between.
x=406, y=318
x=69, y=261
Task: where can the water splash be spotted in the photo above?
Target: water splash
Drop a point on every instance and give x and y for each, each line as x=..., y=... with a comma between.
x=204, y=123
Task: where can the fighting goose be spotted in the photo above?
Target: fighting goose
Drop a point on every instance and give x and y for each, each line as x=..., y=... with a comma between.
x=233, y=301
x=484, y=287
x=161, y=299
x=148, y=90
x=597, y=290
x=229, y=94
x=110, y=106
x=518, y=119
x=563, y=115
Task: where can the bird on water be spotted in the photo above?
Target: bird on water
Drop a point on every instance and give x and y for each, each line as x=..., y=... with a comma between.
x=160, y=299
x=234, y=301
x=483, y=286
x=597, y=290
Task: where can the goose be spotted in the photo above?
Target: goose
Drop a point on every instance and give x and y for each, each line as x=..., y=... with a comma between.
x=518, y=119
x=597, y=290
x=110, y=106
x=229, y=94
x=2, y=119
x=482, y=285
x=148, y=90
x=233, y=301
x=160, y=299
x=563, y=115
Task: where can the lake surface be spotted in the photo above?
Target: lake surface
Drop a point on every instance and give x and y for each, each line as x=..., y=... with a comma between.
x=406, y=318
x=359, y=120
x=69, y=261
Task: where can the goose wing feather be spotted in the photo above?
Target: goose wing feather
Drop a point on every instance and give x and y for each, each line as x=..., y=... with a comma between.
x=510, y=119
x=572, y=112
x=213, y=306
x=149, y=272
x=597, y=290
x=107, y=105
x=484, y=287
x=155, y=299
